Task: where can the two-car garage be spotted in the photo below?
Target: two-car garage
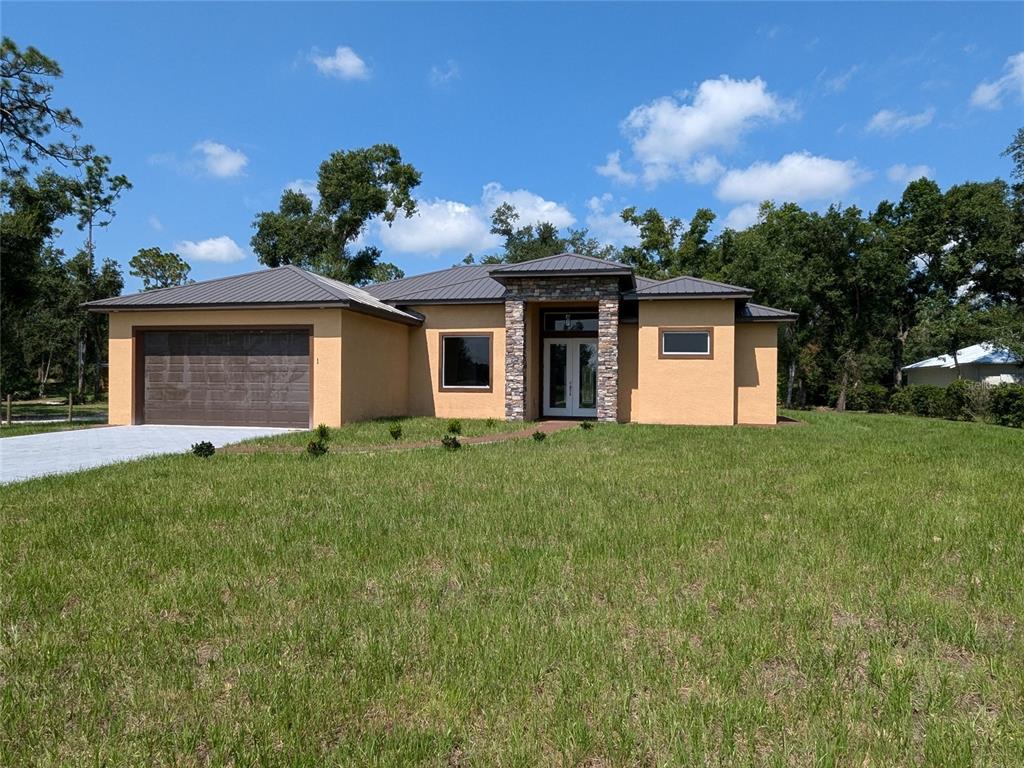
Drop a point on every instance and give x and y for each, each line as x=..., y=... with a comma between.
x=223, y=376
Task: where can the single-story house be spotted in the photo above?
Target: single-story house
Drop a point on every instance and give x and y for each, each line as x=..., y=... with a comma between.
x=985, y=362
x=565, y=336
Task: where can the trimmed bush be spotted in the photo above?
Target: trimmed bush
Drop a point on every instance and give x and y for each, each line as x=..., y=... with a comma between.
x=316, y=448
x=322, y=433
x=454, y=427
x=967, y=400
x=451, y=442
x=867, y=397
x=395, y=430
x=920, y=400
x=586, y=425
x=203, y=449
x=539, y=436
x=1006, y=405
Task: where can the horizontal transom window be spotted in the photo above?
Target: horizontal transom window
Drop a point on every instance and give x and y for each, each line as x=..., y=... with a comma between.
x=466, y=362
x=559, y=322
x=686, y=343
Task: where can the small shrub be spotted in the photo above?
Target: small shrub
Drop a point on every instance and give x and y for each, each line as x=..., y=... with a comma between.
x=1006, y=405
x=316, y=448
x=395, y=430
x=323, y=433
x=451, y=442
x=203, y=449
x=539, y=436
x=586, y=425
x=920, y=400
x=454, y=427
x=966, y=400
x=867, y=397
x=491, y=423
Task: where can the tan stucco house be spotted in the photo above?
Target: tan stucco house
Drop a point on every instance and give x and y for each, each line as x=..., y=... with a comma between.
x=560, y=337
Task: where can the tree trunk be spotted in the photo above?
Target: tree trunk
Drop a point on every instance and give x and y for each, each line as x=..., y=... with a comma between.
x=844, y=383
x=81, y=366
x=44, y=374
x=790, y=381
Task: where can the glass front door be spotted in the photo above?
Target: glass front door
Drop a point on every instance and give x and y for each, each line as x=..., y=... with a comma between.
x=570, y=377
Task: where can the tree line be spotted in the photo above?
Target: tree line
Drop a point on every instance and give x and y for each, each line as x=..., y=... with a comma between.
x=927, y=274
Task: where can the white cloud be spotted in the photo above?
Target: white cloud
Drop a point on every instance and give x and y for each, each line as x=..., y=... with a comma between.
x=612, y=169
x=797, y=177
x=221, y=249
x=449, y=225
x=704, y=171
x=155, y=223
x=345, y=64
x=532, y=208
x=440, y=75
x=608, y=226
x=220, y=160
x=742, y=216
x=893, y=121
x=838, y=83
x=904, y=174
x=438, y=226
x=667, y=133
x=990, y=95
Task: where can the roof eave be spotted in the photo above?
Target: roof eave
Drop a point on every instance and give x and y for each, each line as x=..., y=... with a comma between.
x=637, y=296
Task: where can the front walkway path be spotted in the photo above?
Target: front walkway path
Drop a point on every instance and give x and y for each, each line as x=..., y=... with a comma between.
x=52, y=453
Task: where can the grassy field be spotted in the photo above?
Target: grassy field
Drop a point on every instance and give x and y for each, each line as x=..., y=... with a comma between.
x=17, y=430
x=371, y=434
x=845, y=592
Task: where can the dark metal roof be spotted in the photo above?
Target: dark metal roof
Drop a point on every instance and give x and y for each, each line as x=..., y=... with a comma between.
x=465, y=284
x=753, y=313
x=688, y=287
x=286, y=286
x=563, y=263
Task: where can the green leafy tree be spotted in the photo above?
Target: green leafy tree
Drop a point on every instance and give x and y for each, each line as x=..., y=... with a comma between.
x=670, y=248
x=159, y=269
x=27, y=115
x=525, y=242
x=356, y=187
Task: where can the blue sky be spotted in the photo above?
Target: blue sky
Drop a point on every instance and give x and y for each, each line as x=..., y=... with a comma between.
x=570, y=111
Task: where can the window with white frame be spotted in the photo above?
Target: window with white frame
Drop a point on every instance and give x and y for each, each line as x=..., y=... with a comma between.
x=685, y=342
x=466, y=361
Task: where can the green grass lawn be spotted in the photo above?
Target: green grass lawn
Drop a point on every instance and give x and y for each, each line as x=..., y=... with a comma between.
x=17, y=430
x=370, y=434
x=847, y=592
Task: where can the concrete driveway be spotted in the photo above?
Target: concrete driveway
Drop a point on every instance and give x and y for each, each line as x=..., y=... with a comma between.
x=54, y=453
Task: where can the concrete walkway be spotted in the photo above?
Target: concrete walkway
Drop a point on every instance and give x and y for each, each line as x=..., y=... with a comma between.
x=53, y=453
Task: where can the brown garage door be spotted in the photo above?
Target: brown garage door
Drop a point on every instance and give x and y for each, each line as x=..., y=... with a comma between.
x=226, y=377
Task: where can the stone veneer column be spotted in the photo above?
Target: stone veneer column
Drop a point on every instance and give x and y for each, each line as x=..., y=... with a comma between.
x=515, y=359
x=607, y=358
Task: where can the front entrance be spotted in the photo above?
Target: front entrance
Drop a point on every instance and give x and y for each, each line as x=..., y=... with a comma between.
x=570, y=377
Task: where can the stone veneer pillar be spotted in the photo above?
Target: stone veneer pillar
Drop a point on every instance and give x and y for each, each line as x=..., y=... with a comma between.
x=515, y=359
x=607, y=358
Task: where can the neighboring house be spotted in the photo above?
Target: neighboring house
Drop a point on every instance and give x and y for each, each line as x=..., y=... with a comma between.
x=563, y=336
x=985, y=362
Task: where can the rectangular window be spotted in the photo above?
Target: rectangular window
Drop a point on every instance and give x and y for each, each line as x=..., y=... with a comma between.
x=563, y=322
x=685, y=343
x=466, y=362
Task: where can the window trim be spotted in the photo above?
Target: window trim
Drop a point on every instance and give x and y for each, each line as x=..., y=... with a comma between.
x=709, y=355
x=489, y=335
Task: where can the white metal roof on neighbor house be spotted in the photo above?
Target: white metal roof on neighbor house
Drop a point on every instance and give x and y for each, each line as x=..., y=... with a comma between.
x=985, y=353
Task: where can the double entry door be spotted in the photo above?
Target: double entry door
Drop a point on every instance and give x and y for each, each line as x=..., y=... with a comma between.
x=570, y=377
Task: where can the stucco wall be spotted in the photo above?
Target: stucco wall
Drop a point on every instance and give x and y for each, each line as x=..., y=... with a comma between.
x=627, y=369
x=756, y=373
x=326, y=351
x=374, y=374
x=425, y=397
x=685, y=390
